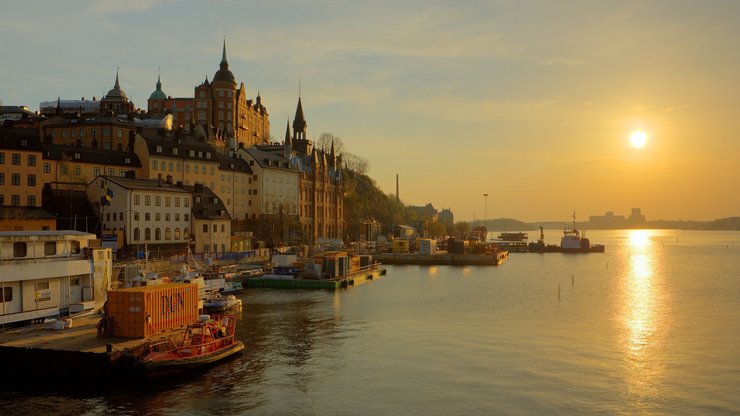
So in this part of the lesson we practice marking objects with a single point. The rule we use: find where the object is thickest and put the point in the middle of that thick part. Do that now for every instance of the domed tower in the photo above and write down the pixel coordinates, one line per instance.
(116, 100)
(223, 93)
(156, 99)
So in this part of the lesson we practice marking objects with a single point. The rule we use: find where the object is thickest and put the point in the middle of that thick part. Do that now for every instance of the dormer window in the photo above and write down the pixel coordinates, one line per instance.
(192, 153)
(215, 200)
(208, 155)
(24, 142)
(174, 150)
(197, 200)
(159, 149)
(127, 160)
(77, 155)
(200, 155)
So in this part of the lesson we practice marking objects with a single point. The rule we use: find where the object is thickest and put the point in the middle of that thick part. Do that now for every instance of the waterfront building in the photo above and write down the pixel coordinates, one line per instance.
(606, 221)
(139, 211)
(20, 160)
(211, 222)
(446, 217)
(218, 103)
(15, 113)
(201, 159)
(50, 273)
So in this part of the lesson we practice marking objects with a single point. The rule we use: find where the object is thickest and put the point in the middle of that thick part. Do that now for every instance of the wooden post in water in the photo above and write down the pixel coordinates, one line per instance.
(572, 280)
(558, 291)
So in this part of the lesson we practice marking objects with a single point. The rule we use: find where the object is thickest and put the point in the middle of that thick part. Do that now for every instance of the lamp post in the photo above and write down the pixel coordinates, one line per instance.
(485, 212)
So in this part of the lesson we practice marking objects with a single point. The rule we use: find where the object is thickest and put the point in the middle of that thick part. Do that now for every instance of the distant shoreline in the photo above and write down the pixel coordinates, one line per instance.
(509, 224)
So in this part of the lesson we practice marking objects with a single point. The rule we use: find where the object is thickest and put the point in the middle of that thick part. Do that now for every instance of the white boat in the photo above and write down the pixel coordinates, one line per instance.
(573, 242)
(218, 303)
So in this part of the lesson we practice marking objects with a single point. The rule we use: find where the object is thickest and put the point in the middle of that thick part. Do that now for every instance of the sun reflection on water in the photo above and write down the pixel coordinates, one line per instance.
(643, 316)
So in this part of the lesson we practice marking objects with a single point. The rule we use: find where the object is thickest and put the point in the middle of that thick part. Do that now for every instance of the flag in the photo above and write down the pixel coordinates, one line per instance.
(105, 200)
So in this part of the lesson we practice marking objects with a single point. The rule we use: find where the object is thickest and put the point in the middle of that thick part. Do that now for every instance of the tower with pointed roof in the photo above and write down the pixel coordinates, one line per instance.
(221, 105)
(116, 100)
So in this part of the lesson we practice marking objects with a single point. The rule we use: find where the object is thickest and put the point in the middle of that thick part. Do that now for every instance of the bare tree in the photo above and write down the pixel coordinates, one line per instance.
(325, 141)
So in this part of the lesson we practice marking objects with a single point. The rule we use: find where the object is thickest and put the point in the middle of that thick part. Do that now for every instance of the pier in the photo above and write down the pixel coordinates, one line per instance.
(354, 278)
(444, 259)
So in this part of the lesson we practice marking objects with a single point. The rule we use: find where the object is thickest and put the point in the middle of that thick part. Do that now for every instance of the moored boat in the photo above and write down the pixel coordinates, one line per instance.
(513, 236)
(210, 339)
(573, 242)
(220, 303)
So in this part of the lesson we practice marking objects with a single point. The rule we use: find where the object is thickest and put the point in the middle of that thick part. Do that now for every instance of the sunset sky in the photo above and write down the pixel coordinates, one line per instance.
(532, 102)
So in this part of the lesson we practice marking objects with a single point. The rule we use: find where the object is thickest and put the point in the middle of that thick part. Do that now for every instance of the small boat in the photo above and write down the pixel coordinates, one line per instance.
(220, 303)
(231, 288)
(210, 339)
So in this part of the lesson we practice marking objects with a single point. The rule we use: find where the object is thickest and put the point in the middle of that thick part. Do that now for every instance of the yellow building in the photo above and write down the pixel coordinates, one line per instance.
(20, 159)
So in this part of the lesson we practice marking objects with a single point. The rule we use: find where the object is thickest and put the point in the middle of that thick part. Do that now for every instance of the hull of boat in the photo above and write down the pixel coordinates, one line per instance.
(163, 367)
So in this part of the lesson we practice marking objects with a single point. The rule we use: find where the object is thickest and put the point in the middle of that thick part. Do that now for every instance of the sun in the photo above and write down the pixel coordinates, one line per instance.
(638, 139)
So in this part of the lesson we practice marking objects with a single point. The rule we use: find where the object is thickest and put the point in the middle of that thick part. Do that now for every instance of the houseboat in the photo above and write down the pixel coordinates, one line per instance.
(45, 274)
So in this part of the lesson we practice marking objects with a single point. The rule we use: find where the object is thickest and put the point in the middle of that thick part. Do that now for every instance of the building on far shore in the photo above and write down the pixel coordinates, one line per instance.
(609, 220)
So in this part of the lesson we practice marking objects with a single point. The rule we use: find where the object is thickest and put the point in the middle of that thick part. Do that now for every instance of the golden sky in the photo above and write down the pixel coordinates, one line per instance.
(530, 102)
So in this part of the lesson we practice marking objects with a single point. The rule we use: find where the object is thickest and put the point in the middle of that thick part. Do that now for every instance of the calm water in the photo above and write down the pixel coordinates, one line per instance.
(652, 326)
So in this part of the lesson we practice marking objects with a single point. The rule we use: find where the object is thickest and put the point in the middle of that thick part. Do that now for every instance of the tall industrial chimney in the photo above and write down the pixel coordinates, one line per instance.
(398, 198)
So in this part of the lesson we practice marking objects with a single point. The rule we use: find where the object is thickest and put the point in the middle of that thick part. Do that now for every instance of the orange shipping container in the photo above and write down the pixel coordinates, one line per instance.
(141, 312)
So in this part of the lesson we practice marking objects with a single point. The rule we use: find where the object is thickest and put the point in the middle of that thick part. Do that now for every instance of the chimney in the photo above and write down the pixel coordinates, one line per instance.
(398, 198)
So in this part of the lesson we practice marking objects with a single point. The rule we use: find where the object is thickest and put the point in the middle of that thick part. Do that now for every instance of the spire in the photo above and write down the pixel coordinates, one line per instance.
(159, 83)
(287, 132)
(299, 123)
(117, 86)
(332, 156)
(59, 106)
(223, 56)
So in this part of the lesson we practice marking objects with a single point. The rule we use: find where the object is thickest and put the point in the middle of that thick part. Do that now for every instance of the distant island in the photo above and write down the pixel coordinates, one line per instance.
(509, 224)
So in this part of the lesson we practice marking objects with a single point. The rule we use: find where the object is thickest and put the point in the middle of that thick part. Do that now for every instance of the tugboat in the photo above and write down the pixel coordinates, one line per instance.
(573, 242)
(210, 339)
(541, 247)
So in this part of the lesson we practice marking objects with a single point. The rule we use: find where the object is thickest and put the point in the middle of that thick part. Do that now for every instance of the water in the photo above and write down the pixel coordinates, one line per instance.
(652, 326)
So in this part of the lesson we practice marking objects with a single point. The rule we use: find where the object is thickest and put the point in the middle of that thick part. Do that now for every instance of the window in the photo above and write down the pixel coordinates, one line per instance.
(223, 228)
(31, 160)
(157, 200)
(31, 201)
(187, 168)
(215, 228)
(15, 179)
(136, 234)
(15, 200)
(47, 167)
(122, 173)
(119, 133)
(19, 249)
(154, 165)
(74, 246)
(162, 165)
(157, 216)
(106, 145)
(195, 168)
(137, 199)
(187, 202)
(111, 172)
(186, 217)
(147, 234)
(82, 132)
(159, 149)
(106, 131)
(177, 233)
(147, 216)
(50, 248)
(158, 234)
(177, 201)
(167, 234)
(7, 293)
(2, 158)
(147, 200)
(136, 215)
(205, 228)
(77, 170)
(167, 201)
(16, 158)
(166, 216)
(96, 171)
(2, 178)
(172, 166)
(174, 150)
(177, 216)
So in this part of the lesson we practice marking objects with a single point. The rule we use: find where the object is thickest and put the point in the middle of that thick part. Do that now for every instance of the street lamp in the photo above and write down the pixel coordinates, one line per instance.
(485, 212)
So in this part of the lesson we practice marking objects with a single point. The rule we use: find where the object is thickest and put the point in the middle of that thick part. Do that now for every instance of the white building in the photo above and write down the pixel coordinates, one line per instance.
(51, 273)
(142, 210)
(277, 183)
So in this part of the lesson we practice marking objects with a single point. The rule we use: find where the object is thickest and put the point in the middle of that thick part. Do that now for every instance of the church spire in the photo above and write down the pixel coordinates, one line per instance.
(299, 122)
(287, 131)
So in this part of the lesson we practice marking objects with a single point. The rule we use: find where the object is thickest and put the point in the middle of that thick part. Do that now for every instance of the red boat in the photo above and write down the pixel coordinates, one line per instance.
(210, 339)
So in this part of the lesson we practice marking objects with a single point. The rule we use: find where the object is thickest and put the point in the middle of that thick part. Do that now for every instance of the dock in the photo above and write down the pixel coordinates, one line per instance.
(444, 259)
(73, 352)
(363, 275)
